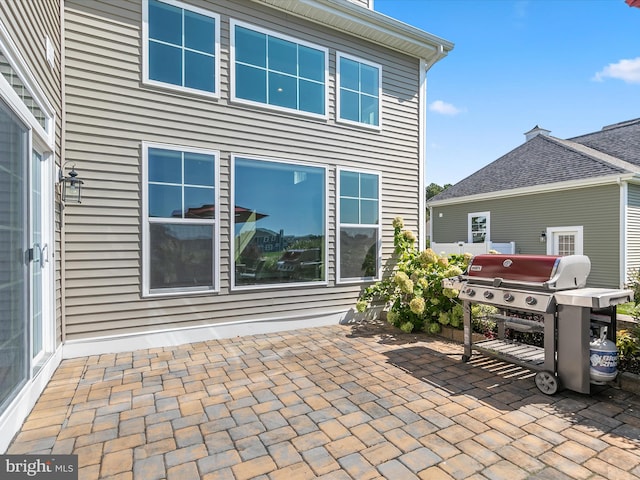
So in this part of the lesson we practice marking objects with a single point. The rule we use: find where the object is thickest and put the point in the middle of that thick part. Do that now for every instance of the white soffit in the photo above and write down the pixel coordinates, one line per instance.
(368, 24)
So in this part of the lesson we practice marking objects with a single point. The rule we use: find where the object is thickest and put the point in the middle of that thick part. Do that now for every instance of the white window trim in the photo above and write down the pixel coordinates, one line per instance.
(232, 248)
(339, 119)
(470, 216)
(579, 231)
(145, 50)
(146, 290)
(339, 225)
(232, 87)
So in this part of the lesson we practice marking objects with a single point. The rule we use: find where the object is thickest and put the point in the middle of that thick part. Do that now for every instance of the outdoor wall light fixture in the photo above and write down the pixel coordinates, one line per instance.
(71, 185)
(543, 237)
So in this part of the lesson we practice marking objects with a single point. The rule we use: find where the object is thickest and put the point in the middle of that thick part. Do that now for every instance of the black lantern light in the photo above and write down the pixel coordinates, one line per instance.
(543, 237)
(71, 186)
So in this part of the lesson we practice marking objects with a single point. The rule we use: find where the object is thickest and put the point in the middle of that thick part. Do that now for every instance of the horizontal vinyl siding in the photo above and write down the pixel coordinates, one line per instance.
(521, 219)
(633, 228)
(109, 114)
(28, 23)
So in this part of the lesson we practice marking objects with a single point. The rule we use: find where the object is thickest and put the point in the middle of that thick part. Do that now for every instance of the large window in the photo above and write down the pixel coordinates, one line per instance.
(279, 222)
(478, 227)
(278, 71)
(359, 98)
(181, 219)
(359, 220)
(181, 46)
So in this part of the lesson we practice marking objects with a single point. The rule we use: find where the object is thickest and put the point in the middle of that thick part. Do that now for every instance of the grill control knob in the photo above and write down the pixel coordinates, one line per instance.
(488, 294)
(508, 297)
(531, 300)
(471, 292)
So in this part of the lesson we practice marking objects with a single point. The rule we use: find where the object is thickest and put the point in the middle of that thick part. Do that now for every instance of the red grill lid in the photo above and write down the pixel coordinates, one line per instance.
(518, 268)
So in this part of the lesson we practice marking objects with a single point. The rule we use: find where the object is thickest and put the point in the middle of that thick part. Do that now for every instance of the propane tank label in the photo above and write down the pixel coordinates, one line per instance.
(604, 362)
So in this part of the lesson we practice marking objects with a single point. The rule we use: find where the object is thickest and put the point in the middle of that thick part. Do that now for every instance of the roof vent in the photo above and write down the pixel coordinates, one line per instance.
(535, 131)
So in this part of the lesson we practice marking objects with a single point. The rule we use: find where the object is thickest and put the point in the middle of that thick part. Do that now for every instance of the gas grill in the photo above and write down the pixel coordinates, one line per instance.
(544, 294)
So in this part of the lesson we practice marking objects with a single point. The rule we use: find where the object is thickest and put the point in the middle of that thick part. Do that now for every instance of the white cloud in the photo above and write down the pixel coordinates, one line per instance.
(625, 70)
(444, 108)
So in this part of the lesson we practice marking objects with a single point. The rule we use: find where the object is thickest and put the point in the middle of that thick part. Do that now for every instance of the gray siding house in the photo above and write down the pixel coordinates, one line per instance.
(556, 197)
(242, 163)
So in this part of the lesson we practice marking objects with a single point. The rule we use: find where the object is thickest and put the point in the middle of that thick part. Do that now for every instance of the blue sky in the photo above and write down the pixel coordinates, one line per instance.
(569, 66)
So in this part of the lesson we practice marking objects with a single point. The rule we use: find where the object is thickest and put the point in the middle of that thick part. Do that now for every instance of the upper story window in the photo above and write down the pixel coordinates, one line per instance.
(278, 71)
(360, 91)
(478, 227)
(359, 225)
(181, 46)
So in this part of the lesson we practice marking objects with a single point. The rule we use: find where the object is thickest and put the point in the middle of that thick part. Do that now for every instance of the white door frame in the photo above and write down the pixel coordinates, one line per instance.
(553, 234)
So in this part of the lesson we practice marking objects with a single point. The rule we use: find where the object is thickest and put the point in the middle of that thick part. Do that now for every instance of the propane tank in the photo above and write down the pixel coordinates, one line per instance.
(603, 355)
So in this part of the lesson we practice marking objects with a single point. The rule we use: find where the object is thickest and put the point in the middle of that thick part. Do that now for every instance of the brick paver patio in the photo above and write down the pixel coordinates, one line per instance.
(341, 402)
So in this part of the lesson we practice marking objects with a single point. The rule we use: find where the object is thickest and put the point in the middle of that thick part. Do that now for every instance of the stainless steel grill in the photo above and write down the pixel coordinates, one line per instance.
(545, 294)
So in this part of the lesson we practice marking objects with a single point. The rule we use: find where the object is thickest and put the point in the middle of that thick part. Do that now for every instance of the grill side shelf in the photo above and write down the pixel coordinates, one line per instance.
(527, 356)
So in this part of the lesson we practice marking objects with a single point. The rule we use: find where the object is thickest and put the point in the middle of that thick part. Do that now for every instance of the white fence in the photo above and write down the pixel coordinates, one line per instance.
(473, 248)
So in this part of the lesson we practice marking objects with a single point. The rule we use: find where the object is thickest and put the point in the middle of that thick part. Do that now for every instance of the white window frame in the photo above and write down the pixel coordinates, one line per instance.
(552, 232)
(232, 260)
(232, 87)
(146, 222)
(339, 119)
(470, 217)
(339, 225)
(145, 50)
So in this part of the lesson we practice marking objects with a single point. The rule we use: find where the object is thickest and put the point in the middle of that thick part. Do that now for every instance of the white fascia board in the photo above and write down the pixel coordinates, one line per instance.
(367, 24)
(550, 187)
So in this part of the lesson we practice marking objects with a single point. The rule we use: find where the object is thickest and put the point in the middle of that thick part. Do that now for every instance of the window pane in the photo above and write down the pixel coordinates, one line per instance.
(282, 241)
(369, 212)
(165, 63)
(282, 90)
(349, 105)
(369, 114)
(165, 22)
(311, 97)
(358, 252)
(349, 74)
(251, 83)
(369, 80)
(199, 32)
(180, 256)
(283, 56)
(199, 71)
(311, 63)
(349, 210)
(251, 47)
(165, 201)
(165, 166)
(349, 184)
(199, 169)
(368, 185)
(198, 202)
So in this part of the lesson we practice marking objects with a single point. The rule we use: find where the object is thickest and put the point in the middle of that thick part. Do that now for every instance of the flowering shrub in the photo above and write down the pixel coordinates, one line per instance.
(414, 296)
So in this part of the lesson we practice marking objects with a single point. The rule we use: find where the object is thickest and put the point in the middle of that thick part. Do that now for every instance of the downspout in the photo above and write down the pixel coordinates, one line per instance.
(422, 143)
(624, 193)
(63, 116)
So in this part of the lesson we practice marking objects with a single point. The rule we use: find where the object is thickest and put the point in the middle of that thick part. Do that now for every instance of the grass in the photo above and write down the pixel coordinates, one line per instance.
(626, 308)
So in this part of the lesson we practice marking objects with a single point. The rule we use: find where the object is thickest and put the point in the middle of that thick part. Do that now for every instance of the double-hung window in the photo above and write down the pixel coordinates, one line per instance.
(279, 223)
(181, 193)
(478, 227)
(278, 71)
(359, 220)
(181, 46)
(359, 91)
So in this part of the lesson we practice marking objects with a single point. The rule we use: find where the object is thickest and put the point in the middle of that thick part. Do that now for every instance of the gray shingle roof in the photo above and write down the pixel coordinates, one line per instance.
(545, 160)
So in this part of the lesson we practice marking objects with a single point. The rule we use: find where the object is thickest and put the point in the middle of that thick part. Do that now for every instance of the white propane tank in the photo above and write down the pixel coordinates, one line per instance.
(603, 355)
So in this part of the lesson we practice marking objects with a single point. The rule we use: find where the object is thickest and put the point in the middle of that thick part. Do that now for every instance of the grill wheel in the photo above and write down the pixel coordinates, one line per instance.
(546, 382)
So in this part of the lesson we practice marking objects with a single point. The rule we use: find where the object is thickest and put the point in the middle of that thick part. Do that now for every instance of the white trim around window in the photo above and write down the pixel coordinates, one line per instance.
(271, 71)
(181, 222)
(487, 226)
(574, 234)
(358, 92)
(184, 50)
(363, 213)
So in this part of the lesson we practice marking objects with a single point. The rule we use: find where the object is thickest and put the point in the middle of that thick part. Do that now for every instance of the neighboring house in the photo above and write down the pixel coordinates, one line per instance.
(553, 196)
(242, 164)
